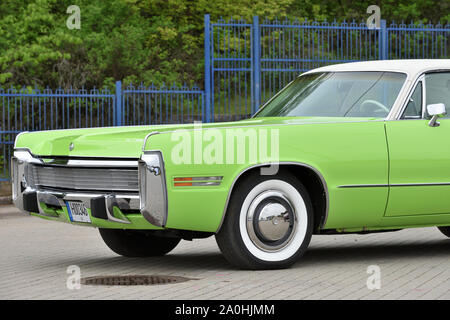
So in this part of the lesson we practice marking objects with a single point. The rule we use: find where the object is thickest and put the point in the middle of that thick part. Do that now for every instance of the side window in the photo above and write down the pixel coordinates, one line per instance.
(414, 107)
(437, 86)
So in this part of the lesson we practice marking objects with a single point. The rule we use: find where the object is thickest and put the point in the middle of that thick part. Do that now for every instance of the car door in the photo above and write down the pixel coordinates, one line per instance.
(419, 154)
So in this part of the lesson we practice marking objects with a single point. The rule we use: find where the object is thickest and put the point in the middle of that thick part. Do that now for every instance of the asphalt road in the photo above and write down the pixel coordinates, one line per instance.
(35, 255)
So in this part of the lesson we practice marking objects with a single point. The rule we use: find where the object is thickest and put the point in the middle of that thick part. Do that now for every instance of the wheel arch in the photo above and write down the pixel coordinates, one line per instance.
(309, 176)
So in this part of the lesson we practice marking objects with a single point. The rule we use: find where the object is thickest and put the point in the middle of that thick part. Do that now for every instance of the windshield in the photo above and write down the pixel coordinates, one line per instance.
(337, 94)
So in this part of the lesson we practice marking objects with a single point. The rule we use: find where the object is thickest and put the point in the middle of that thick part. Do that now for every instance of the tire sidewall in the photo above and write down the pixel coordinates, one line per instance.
(300, 200)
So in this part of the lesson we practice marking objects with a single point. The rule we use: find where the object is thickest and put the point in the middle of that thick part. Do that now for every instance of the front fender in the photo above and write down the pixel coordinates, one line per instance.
(341, 153)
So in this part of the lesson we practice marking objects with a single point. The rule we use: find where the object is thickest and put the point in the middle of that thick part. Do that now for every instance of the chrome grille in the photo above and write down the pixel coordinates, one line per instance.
(77, 178)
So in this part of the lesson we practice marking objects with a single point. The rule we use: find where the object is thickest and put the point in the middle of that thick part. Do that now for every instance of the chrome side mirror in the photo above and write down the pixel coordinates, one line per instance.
(436, 111)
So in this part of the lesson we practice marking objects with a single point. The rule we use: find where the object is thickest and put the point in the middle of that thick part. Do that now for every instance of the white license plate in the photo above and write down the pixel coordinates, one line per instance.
(77, 212)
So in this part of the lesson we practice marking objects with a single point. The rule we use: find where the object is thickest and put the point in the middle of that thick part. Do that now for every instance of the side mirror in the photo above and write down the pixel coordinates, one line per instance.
(436, 111)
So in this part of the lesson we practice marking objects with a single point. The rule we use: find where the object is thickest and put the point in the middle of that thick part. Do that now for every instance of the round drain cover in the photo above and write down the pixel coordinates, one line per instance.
(132, 280)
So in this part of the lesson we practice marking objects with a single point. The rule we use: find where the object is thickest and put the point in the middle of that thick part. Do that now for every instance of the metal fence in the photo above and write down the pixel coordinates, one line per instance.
(417, 41)
(246, 63)
(155, 105)
(34, 109)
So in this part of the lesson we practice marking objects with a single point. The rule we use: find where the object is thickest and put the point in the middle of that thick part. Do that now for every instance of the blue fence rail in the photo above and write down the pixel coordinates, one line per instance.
(246, 63)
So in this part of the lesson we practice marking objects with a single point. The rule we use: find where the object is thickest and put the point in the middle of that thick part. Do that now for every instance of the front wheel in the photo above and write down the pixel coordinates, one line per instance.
(445, 231)
(137, 243)
(268, 224)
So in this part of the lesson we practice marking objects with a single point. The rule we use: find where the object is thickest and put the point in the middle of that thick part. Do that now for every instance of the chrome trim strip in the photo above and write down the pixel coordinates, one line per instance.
(190, 183)
(437, 184)
(300, 164)
(400, 98)
(394, 185)
(146, 138)
(408, 97)
(92, 163)
(197, 181)
(216, 178)
(26, 155)
(205, 184)
(18, 135)
(95, 158)
(363, 186)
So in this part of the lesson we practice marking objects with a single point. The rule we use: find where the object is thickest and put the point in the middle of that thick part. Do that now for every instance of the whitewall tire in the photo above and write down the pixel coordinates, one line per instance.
(268, 223)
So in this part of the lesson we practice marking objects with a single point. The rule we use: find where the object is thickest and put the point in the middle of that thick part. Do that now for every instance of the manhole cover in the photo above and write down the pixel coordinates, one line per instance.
(132, 280)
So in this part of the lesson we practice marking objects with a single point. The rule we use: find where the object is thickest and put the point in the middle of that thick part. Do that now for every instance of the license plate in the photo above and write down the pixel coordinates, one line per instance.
(77, 212)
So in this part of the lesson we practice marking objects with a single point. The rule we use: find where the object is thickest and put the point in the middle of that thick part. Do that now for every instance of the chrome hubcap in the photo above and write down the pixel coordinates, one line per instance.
(271, 221)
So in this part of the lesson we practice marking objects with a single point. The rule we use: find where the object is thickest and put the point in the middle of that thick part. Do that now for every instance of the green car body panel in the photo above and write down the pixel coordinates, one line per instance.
(356, 158)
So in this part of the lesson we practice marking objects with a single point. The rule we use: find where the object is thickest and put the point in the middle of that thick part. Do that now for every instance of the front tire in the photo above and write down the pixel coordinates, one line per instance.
(137, 243)
(268, 223)
(445, 231)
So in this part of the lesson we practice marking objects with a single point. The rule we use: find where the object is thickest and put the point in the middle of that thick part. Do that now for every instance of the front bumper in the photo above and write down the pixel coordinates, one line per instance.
(150, 200)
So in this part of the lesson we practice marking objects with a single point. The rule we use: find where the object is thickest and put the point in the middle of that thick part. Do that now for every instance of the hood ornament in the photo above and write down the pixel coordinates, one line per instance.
(71, 146)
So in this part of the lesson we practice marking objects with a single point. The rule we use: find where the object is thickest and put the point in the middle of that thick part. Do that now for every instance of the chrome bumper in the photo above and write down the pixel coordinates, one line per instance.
(151, 200)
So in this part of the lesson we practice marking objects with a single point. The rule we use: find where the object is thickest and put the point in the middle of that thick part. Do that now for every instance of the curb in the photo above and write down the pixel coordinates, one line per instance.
(6, 200)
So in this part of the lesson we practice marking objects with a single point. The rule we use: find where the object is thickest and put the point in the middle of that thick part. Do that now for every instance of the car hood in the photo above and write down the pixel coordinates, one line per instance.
(127, 141)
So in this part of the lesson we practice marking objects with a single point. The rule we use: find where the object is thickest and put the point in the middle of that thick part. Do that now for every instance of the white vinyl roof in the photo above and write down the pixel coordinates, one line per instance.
(412, 66)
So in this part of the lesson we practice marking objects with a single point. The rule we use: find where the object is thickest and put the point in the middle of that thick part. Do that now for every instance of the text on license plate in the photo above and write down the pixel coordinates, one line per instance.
(77, 211)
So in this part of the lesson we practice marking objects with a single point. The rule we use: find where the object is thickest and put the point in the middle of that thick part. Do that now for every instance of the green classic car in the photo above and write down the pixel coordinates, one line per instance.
(351, 148)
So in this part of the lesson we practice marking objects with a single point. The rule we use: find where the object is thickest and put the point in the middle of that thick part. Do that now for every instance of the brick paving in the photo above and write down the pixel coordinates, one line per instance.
(35, 254)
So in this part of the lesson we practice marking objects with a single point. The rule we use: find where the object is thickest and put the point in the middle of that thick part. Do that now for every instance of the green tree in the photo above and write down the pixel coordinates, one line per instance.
(149, 40)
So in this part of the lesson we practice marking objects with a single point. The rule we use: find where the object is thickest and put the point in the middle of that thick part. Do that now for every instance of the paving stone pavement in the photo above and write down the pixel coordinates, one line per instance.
(35, 255)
